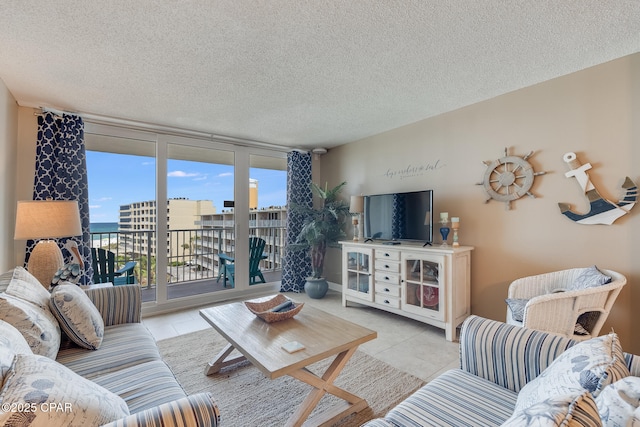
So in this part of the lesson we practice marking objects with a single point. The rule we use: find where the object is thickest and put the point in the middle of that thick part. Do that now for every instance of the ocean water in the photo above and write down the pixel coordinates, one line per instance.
(103, 227)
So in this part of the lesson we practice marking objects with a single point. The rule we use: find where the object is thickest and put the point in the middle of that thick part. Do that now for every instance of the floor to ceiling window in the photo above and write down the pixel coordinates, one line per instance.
(175, 201)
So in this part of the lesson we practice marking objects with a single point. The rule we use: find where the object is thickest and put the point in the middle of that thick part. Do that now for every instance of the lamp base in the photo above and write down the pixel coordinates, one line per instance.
(45, 260)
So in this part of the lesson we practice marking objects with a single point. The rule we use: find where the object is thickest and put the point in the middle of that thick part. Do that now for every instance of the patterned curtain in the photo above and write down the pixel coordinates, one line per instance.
(296, 265)
(61, 174)
(398, 217)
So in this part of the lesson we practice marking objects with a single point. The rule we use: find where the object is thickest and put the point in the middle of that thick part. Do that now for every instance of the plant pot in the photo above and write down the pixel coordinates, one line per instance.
(316, 288)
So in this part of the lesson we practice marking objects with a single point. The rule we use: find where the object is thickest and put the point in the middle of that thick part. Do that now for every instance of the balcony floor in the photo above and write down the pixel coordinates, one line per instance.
(186, 289)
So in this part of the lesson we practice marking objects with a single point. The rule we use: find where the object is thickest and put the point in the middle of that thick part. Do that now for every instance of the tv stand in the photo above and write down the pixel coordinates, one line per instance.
(427, 244)
(429, 284)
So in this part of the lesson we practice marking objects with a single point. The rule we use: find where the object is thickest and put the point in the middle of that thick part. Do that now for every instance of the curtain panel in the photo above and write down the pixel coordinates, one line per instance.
(61, 174)
(296, 265)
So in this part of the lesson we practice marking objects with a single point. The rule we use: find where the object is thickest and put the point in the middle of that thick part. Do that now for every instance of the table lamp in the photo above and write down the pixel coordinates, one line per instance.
(356, 206)
(46, 220)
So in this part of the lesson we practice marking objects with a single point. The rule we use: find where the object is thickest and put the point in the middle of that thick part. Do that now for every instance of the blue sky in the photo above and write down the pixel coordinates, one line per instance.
(118, 179)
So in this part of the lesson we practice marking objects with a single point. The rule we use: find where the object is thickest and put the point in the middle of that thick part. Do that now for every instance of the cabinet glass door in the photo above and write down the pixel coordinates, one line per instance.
(423, 293)
(358, 274)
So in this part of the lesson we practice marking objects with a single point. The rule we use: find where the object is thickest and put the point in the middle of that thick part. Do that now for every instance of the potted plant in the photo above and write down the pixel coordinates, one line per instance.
(322, 228)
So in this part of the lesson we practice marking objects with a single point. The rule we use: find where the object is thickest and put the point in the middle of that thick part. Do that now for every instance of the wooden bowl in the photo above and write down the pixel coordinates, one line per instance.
(261, 309)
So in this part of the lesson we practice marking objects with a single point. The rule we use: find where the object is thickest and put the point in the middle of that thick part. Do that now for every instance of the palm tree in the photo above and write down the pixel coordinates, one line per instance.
(323, 226)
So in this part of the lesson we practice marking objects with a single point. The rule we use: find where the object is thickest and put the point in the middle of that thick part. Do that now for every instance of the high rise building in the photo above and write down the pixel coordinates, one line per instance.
(137, 224)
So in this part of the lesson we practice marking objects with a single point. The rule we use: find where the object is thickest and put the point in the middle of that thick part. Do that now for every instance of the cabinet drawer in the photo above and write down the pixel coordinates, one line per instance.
(387, 289)
(390, 255)
(386, 277)
(386, 265)
(387, 300)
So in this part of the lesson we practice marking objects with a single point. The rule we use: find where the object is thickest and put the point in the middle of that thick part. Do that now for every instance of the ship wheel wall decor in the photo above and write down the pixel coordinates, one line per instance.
(508, 178)
(602, 211)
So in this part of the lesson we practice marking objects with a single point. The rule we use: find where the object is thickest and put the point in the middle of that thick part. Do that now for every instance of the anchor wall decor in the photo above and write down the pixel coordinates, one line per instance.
(602, 210)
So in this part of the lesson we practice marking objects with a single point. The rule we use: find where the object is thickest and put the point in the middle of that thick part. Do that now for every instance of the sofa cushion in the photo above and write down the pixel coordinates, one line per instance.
(26, 287)
(123, 346)
(589, 278)
(56, 396)
(11, 343)
(143, 386)
(77, 315)
(36, 324)
(589, 365)
(554, 411)
(455, 398)
(619, 403)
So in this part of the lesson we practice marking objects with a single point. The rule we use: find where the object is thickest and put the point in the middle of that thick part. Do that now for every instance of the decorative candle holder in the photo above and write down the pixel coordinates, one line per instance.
(444, 231)
(455, 225)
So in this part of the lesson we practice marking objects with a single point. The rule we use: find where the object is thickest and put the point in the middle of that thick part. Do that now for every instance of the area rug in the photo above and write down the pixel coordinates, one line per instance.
(247, 398)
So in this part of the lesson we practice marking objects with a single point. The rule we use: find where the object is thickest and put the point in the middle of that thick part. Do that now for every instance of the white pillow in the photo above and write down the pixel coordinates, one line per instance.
(11, 343)
(17, 272)
(566, 410)
(55, 396)
(78, 317)
(619, 403)
(587, 366)
(37, 325)
(24, 286)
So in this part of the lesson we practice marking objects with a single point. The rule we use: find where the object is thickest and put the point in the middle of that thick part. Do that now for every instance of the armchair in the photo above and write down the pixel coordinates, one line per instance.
(550, 304)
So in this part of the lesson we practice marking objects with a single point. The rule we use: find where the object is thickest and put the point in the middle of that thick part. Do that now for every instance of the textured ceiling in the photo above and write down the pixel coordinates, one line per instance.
(299, 73)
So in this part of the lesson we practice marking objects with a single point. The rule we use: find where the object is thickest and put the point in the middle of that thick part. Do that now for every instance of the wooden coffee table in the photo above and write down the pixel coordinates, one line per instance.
(323, 336)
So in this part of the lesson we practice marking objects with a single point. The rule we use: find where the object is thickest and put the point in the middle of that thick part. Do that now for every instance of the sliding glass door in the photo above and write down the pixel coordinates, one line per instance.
(177, 205)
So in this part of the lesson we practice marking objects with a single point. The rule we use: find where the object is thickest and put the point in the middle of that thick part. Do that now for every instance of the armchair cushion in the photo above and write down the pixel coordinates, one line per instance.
(589, 278)
(517, 306)
(587, 366)
(78, 317)
(55, 396)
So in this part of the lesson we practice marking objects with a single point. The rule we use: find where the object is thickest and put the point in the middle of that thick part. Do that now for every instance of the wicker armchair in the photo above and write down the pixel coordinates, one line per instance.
(558, 312)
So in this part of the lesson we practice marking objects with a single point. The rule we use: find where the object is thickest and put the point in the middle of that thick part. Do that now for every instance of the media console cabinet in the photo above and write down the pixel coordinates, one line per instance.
(430, 284)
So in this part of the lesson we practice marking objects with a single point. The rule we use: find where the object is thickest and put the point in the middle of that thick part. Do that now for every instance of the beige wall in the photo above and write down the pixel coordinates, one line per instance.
(595, 113)
(8, 139)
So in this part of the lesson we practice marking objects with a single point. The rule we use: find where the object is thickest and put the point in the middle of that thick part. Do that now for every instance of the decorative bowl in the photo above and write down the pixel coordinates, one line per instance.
(262, 308)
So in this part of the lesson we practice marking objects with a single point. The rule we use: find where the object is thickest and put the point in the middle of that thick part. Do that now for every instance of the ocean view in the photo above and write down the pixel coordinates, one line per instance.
(103, 227)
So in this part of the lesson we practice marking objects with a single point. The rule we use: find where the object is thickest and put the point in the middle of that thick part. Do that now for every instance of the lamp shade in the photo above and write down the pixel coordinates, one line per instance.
(47, 219)
(356, 204)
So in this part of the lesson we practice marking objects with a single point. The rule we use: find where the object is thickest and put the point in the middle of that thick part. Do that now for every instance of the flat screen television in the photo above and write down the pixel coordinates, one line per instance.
(399, 216)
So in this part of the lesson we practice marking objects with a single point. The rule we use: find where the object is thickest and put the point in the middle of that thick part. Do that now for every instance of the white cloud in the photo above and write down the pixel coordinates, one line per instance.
(225, 174)
(103, 199)
(95, 206)
(182, 174)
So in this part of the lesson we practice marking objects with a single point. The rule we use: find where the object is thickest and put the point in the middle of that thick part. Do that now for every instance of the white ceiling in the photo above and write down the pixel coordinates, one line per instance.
(298, 73)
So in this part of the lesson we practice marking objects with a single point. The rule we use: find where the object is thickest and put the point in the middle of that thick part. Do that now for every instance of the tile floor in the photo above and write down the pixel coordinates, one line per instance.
(411, 346)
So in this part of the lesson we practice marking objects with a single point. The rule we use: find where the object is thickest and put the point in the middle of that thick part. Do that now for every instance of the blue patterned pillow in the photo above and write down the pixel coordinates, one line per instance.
(11, 343)
(619, 403)
(517, 308)
(580, 410)
(54, 395)
(587, 366)
(589, 278)
(78, 317)
(36, 324)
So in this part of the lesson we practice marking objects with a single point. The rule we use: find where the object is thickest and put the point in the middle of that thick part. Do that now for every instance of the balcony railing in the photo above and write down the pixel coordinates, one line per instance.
(192, 254)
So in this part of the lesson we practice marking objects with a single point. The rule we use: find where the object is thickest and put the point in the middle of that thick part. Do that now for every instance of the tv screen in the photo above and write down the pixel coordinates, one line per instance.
(399, 216)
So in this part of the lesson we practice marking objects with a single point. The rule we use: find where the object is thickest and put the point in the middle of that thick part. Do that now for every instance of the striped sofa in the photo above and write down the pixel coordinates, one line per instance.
(140, 388)
(496, 361)
(128, 363)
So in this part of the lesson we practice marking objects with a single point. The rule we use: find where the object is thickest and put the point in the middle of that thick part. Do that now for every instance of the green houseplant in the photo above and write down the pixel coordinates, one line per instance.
(323, 227)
